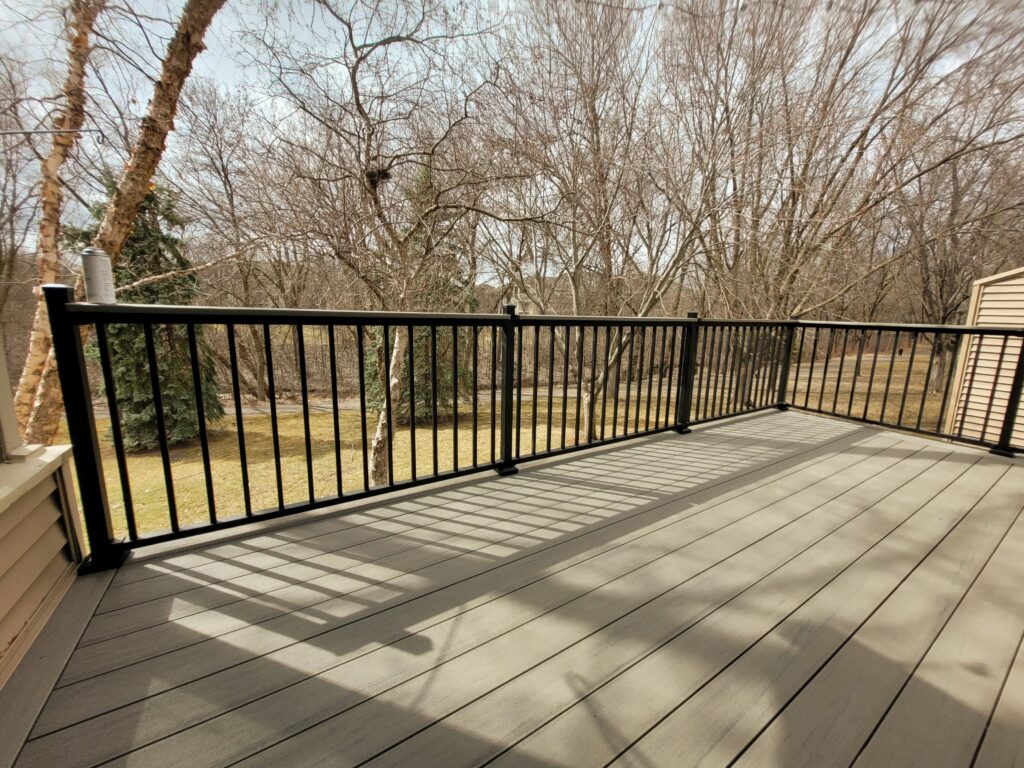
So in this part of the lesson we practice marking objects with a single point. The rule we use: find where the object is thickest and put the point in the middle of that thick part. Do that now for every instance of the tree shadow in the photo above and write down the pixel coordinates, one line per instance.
(260, 633)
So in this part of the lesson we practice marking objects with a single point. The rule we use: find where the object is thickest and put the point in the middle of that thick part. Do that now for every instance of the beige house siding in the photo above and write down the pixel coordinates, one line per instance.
(986, 364)
(39, 547)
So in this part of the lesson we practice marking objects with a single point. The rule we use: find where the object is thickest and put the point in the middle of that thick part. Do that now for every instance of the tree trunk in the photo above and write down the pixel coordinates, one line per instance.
(379, 444)
(45, 419)
(39, 392)
(133, 186)
(943, 359)
(70, 118)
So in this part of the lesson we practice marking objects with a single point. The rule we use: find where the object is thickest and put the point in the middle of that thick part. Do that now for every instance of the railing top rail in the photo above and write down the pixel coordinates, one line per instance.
(744, 321)
(601, 320)
(84, 313)
(917, 327)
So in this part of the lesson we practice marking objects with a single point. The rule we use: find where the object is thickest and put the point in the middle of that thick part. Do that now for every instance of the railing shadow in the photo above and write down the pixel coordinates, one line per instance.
(208, 642)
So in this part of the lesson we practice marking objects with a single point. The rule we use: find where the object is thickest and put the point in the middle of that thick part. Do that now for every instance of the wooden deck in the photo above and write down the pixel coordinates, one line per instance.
(776, 590)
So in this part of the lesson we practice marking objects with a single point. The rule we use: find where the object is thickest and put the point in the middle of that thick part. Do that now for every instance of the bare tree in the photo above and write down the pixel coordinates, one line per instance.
(801, 120)
(68, 121)
(38, 399)
(379, 178)
(19, 180)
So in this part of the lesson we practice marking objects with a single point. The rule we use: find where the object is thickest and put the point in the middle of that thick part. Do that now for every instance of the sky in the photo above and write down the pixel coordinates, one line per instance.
(30, 30)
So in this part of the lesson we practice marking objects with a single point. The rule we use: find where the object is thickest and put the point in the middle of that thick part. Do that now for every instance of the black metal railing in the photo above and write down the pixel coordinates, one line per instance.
(581, 382)
(738, 366)
(906, 377)
(336, 406)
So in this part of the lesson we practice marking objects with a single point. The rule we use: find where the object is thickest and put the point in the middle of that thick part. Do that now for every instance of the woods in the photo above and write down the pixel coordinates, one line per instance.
(836, 161)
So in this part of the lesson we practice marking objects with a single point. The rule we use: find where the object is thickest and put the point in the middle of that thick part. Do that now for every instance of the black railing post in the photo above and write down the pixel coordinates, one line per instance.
(74, 385)
(1002, 448)
(507, 466)
(787, 355)
(687, 370)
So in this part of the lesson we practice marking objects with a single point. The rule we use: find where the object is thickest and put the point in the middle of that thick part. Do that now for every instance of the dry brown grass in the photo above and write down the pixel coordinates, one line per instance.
(916, 402)
(146, 468)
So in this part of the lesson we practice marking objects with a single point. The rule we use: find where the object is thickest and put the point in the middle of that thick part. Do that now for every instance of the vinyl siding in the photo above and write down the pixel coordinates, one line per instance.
(987, 363)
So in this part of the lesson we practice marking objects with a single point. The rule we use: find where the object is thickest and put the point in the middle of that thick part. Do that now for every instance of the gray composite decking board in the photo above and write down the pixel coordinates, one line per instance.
(382, 669)
(552, 688)
(717, 723)
(306, 554)
(196, 560)
(1002, 745)
(151, 587)
(304, 573)
(212, 596)
(326, 746)
(24, 694)
(169, 635)
(92, 658)
(668, 597)
(209, 695)
(825, 725)
(116, 689)
(200, 556)
(939, 718)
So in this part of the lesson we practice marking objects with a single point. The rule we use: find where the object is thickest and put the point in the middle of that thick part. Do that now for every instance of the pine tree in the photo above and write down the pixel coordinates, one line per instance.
(152, 249)
(424, 380)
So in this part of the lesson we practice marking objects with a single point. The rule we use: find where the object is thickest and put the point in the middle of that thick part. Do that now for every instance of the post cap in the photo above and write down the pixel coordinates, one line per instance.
(57, 292)
(509, 309)
(692, 314)
(90, 250)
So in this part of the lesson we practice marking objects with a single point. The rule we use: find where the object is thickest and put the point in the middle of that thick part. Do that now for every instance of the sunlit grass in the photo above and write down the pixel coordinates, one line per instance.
(531, 435)
(146, 473)
(895, 398)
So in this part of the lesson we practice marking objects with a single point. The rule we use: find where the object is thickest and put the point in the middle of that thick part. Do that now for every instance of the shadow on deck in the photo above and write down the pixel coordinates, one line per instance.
(779, 589)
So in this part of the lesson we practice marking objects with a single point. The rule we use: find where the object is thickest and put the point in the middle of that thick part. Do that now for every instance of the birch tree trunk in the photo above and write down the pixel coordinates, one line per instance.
(379, 444)
(39, 400)
(133, 186)
(70, 119)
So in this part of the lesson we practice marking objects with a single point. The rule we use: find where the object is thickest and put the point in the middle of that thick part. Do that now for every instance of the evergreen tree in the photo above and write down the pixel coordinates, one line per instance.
(152, 249)
(423, 379)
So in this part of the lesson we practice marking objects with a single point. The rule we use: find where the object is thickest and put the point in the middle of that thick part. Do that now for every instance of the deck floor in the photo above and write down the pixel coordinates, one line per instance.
(776, 590)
